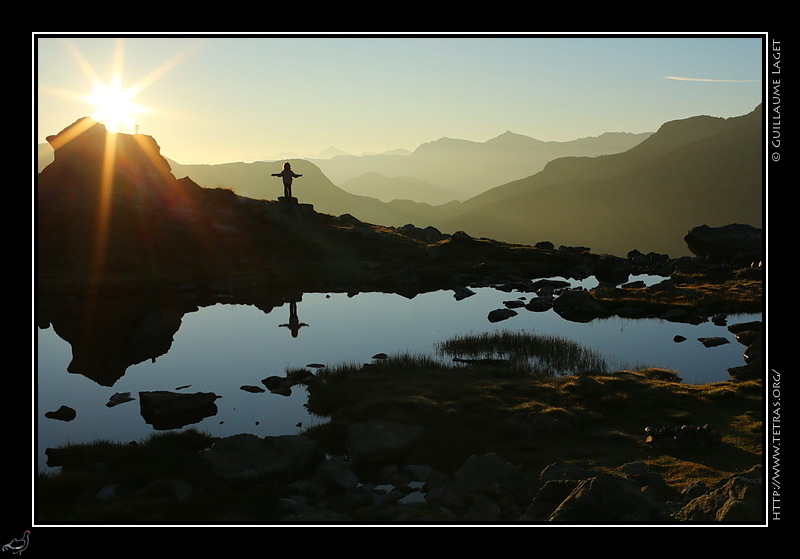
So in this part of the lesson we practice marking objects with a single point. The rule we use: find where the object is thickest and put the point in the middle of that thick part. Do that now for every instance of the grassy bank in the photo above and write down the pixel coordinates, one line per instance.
(537, 419)
(531, 416)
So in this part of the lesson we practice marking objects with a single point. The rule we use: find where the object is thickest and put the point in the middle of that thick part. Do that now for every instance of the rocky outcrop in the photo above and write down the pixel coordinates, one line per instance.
(484, 489)
(739, 498)
(191, 230)
(751, 335)
(734, 242)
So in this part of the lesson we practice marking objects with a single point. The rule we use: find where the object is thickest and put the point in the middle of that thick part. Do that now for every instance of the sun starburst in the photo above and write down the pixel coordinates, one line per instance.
(115, 106)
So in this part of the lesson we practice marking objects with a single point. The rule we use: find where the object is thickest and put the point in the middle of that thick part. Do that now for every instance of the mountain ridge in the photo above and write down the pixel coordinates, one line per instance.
(696, 170)
(469, 167)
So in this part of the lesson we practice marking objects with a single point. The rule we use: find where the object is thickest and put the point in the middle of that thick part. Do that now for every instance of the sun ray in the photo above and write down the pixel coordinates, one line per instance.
(115, 106)
(104, 211)
(116, 109)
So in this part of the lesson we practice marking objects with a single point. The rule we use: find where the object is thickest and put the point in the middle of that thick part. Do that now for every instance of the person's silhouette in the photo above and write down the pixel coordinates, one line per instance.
(287, 175)
(294, 324)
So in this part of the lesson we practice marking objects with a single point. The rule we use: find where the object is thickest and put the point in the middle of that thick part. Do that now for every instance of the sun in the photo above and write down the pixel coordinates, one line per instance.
(115, 106)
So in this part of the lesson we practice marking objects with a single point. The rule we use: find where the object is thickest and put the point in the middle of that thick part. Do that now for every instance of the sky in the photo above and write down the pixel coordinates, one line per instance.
(221, 98)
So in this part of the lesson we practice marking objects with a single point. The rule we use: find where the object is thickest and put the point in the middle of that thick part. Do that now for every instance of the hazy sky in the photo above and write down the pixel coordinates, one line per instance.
(217, 98)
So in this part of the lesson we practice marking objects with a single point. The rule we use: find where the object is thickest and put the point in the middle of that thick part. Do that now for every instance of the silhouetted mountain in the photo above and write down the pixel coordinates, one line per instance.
(701, 170)
(467, 168)
(125, 224)
(444, 170)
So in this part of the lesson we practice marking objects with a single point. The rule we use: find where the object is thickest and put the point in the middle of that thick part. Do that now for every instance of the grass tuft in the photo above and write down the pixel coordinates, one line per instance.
(527, 353)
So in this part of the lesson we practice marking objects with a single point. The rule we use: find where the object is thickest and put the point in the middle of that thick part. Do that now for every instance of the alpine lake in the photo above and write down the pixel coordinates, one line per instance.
(227, 349)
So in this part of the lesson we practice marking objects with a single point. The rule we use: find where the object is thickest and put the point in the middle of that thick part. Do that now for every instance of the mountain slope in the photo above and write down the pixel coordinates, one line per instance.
(254, 180)
(701, 170)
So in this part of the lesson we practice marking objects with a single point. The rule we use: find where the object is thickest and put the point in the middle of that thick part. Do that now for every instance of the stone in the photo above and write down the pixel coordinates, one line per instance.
(740, 498)
(460, 293)
(713, 341)
(736, 242)
(578, 305)
(248, 457)
(63, 413)
(278, 385)
(539, 304)
(253, 389)
(610, 498)
(335, 474)
(498, 315)
(491, 475)
(171, 410)
(379, 441)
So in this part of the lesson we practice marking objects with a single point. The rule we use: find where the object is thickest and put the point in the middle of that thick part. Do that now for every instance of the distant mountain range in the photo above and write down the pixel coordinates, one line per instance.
(613, 193)
(463, 168)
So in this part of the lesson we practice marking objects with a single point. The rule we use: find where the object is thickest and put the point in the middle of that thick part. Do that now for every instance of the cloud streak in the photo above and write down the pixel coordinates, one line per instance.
(685, 79)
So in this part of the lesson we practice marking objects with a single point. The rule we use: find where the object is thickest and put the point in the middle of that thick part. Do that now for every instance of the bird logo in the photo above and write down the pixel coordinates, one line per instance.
(17, 545)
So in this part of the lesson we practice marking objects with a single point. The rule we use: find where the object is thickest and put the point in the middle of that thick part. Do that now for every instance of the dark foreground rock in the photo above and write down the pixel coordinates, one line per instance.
(172, 410)
(734, 242)
(485, 489)
(373, 485)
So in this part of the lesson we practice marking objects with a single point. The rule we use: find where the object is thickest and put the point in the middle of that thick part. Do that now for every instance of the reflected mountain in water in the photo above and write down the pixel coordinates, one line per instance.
(124, 250)
(110, 334)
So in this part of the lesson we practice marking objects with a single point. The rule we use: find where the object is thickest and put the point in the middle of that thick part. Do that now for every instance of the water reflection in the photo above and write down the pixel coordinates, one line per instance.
(294, 323)
(220, 346)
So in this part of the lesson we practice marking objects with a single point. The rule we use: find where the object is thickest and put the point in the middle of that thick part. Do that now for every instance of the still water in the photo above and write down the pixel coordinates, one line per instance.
(223, 347)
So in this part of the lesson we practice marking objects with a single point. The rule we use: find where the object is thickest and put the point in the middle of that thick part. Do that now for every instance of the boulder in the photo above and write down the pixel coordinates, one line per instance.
(119, 398)
(539, 304)
(682, 315)
(578, 305)
(548, 286)
(501, 314)
(171, 410)
(614, 499)
(491, 475)
(734, 242)
(713, 341)
(746, 372)
(250, 388)
(379, 441)
(461, 292)
(64, 413)
(247, 457)
(612, 269)
(335, 474)
(278, 385)
(548, 498)
(740, 498)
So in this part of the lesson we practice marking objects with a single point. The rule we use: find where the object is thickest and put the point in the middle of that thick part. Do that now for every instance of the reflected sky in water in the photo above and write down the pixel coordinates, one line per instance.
(223, 347)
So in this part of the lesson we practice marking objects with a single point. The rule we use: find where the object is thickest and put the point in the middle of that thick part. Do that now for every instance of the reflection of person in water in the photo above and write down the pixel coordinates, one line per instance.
(294, 322)
(287, 175)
